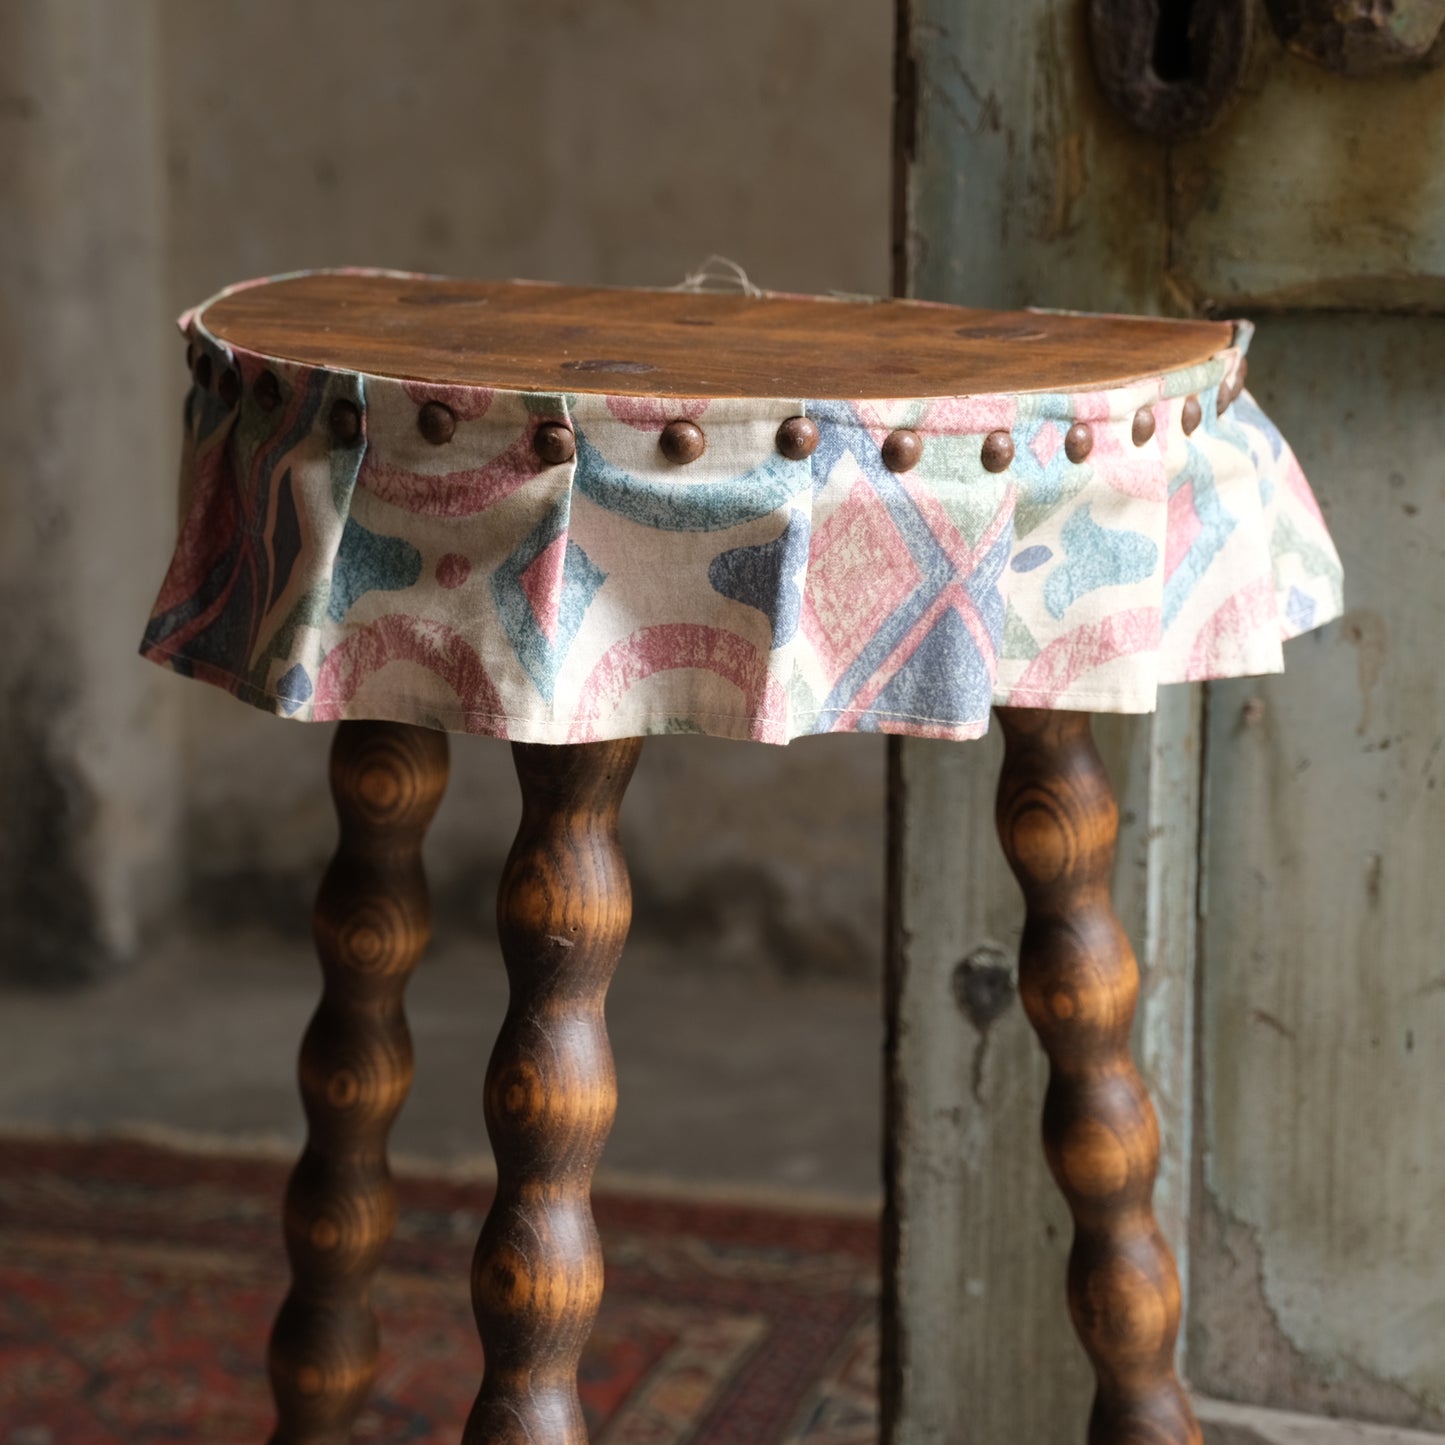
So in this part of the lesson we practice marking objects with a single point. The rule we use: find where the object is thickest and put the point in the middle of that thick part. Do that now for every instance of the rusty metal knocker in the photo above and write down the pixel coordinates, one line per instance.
(1362, 37)
(1170, 67)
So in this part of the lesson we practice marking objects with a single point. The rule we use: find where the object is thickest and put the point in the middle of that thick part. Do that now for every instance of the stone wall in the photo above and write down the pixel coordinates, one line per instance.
(162, 149)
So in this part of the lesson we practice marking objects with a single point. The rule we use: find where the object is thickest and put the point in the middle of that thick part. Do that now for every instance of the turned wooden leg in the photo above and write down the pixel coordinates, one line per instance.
(371, 926)
(562, 914)
(1078, 981)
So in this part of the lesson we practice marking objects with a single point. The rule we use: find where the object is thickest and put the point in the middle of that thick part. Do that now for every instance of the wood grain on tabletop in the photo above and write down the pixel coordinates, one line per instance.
(540, 337)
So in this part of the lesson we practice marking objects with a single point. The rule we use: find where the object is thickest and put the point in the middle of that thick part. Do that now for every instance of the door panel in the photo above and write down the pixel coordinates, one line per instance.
(1302, 1148)
(1318, 1269)
(978, 1238)
(1317, 192)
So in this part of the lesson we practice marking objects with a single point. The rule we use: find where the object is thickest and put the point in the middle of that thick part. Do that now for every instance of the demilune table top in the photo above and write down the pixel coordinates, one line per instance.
(561, 514)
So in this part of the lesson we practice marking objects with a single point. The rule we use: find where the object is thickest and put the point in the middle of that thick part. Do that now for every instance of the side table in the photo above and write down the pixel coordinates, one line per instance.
(574, 517)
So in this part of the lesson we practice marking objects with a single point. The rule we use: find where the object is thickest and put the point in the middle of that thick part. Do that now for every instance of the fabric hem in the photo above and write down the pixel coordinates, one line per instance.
(750, 728)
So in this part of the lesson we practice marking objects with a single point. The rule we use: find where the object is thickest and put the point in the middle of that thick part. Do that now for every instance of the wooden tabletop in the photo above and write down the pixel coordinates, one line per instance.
(533, 336)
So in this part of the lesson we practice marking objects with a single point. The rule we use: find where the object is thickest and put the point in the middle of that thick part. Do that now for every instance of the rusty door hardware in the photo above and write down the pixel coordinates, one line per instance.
(1362, 37)
(1171, 67)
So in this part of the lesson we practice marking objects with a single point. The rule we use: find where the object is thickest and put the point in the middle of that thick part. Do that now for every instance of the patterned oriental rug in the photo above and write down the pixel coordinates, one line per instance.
(137, 1286)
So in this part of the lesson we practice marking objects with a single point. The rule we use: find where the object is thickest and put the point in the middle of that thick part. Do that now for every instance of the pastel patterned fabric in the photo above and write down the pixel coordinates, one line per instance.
(474, 588)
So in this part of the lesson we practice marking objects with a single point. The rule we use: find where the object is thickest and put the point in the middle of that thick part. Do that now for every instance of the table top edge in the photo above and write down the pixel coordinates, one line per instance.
(1207, 338)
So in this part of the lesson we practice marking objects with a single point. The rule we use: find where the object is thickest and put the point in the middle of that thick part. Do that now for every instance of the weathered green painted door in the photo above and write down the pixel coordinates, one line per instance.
(1280, 865)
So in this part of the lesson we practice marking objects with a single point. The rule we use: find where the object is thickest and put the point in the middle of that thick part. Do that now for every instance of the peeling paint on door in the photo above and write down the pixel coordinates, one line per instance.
(1301, 1104)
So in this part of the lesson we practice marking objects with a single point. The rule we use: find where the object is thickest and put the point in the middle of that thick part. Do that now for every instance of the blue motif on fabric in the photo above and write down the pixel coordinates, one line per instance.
(1300, 608)
(1031, 558)
(1215, 525)
(303, 412)
(293, 688)
(1043, 486)
(1262, 464)
(842, 432)
(285, 538)
(255, 508)
(367, 562)
(1095, 557)
(684, 506)
(1246, 411)
(227, 630)
(947, 679)
(227, 635)
(766, 576)
(983, 589)
(542, 655)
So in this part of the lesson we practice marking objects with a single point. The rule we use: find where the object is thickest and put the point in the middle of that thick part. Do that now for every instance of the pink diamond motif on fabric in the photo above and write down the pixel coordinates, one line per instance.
(541, 584)
(1045, 443)
(859, 573)
(1183, 526)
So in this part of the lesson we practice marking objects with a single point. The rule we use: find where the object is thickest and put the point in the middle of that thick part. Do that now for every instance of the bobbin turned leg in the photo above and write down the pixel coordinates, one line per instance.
(1079, 982)
(562, 915)
(371, 926)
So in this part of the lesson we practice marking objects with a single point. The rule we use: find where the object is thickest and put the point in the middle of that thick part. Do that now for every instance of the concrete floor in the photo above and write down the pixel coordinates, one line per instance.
(730, 1080)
